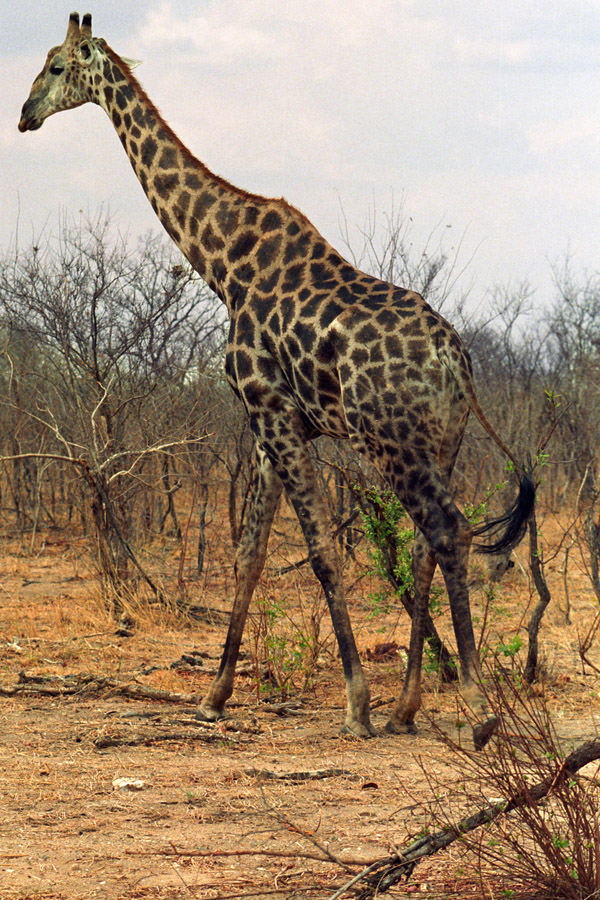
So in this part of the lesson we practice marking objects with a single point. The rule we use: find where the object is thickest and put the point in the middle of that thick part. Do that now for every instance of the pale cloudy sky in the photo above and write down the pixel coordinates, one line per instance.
(482, 117)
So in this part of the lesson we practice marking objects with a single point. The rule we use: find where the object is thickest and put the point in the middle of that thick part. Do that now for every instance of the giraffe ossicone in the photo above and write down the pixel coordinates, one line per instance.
(315, 347)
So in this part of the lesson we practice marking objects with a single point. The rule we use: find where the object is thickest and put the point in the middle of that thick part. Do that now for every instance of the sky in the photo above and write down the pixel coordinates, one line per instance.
(480, 119)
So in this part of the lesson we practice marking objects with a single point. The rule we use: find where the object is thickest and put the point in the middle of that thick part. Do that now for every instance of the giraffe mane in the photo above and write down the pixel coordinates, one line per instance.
(244, 195)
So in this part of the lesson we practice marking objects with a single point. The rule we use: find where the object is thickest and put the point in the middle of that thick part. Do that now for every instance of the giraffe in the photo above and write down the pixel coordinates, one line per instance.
(315, 347)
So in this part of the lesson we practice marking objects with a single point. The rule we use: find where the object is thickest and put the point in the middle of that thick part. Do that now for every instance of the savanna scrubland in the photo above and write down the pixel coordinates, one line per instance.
(125, 463)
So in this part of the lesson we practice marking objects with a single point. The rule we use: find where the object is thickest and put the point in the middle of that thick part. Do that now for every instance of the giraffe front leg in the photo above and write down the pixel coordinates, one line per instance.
(250, 559)
(358, 710)
(296, 471)
(323, 558)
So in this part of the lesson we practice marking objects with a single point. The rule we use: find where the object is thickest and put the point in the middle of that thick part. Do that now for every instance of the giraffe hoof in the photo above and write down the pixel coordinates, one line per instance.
(209, 714)
(482, 733)
(401, 727)
(358, 729)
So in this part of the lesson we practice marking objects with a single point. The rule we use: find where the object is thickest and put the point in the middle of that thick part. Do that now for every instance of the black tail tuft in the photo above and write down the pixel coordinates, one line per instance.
(510, 527)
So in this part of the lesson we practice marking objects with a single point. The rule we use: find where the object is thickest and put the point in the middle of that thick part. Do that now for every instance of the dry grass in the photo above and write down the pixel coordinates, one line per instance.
(66, 833)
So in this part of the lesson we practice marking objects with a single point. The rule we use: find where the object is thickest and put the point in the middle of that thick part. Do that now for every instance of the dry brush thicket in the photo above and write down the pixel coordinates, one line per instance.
(117, 421)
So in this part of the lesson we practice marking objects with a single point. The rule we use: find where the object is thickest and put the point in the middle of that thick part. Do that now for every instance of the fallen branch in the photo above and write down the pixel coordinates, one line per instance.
(61, 685)
(275, 854)
(206, 732)
(212, 737)
(385, 873)
(286, 708)
(309, 775)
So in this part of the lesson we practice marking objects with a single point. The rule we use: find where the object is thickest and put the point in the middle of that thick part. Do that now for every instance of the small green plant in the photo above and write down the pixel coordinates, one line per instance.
(381, 603)
(286, 642)
(390, 535)
(511, 647)
(431, 660)
(385, 524)
(475, 513)
(436, 600)
(192, 798)
(554, 399)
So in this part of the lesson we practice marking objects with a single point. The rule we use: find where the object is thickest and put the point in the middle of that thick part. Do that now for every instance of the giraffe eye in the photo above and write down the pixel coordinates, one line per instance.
(56, 70)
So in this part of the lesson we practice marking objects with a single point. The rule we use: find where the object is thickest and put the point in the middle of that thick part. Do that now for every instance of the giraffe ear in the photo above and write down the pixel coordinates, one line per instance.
(85, 53)
(132, 63)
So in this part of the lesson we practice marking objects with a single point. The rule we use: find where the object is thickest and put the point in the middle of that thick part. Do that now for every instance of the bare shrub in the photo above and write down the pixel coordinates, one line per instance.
(102, 349)
(545, 842)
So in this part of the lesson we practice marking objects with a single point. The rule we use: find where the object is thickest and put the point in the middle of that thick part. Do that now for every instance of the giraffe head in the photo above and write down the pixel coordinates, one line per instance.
(71, 75)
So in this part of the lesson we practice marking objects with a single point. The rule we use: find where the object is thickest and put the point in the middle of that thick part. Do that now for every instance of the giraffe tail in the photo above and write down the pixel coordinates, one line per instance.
(508, 529)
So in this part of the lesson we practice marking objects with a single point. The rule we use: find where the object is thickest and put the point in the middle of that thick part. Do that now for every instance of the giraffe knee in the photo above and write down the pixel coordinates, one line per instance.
(444, 543)
(324, 565)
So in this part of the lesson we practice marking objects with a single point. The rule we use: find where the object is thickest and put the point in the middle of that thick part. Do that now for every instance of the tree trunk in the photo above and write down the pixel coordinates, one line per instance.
(537, 572)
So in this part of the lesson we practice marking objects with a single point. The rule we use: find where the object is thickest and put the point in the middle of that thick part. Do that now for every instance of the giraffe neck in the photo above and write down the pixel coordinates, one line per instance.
(215, 225)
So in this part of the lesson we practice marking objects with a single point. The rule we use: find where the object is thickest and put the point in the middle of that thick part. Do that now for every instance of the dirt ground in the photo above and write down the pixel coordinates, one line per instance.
(69, 830)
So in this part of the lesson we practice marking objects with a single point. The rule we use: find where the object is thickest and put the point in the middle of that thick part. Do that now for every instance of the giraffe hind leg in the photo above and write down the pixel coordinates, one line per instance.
(445, 538)
(314, 521)
(449, 536)
(401, 718)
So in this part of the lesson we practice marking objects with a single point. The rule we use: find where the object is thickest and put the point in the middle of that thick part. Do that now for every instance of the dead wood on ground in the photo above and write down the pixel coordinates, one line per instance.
(379, 875)
(383, 874)
(296, 777)
(105, 741)
(62, 685)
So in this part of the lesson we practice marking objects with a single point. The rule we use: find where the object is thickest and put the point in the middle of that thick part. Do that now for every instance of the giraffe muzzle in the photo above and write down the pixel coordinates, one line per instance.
(29, 120)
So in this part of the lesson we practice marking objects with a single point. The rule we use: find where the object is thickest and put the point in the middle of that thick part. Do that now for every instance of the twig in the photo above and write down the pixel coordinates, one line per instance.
(306, 835)
(586, 643)
(566, 583)
(355, 880)
(283, 570)
(275, 854)
(377, 703)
